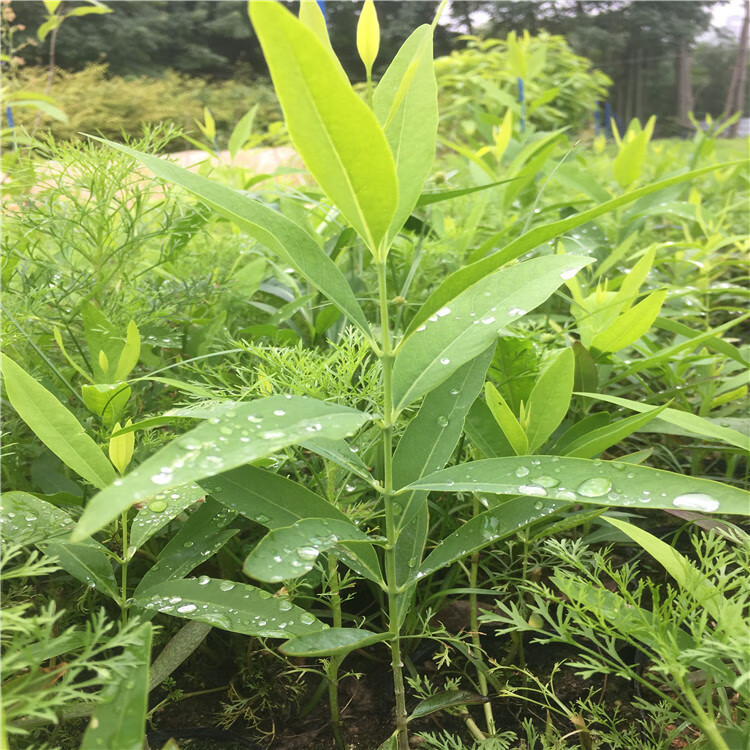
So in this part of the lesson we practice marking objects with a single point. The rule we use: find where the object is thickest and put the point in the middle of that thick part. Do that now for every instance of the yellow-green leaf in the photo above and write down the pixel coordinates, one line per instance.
(334, 131)
(630, 326)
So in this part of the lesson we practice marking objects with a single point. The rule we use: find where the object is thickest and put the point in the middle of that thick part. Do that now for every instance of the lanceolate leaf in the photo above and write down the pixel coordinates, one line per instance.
(448, 699)
(159, 511)
(200, 537)
(691, 422)
(582, 481)
(251, 431)
(121, 721)
(465, 277)
(331, 642)
(289, 241)
(683, 571)
(290, 552)
(275, 501)
(631, 325)
(405, 104)
(594, 442)
(334, 131)
(550, 398)
(55, 426)
(87, 561)
(340, 452)
(431, 437)
(486, 528)
(467, 325)
(236, 607)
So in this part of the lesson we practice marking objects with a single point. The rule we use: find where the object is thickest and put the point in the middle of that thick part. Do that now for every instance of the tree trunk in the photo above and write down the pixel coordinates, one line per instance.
(736, 96)
(684, 85)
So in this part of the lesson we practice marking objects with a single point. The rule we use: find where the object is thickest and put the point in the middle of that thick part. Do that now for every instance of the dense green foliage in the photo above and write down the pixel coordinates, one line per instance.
(317, 418)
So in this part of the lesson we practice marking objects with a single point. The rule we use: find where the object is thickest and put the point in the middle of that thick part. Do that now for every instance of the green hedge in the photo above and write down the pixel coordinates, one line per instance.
(95, 101)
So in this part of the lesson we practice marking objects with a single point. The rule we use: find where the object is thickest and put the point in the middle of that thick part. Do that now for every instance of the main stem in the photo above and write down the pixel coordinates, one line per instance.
(473, 576)
(124, 569)
(335, 661)
(386, 360)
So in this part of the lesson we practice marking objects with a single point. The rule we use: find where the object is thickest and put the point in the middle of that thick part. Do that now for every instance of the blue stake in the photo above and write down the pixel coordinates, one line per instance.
(11, 125)
(522, 101)
(322, 6)
(607, 121)
(597, 119)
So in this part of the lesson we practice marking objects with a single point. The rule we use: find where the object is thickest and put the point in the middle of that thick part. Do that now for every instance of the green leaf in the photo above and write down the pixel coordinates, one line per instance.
(121, 721)
(631, 325)
(427, 199)
(486, 528)
(241, 132)
(199, 538)
(717, 344)
(26, 519)
(130, 353)
(101, 336)
(550, 398)
(279, 234)
(582, 481)
(457, 333)
(391, 743)
(275, 501)
(159, 511)
(594, 442)
(334, 131)
(251, 431)
(55, 426)
(106, 401)
(446, 699)
(485, 432)
(331, 642)
(683, 419)
(237, 607)
(289, 552)
(690, 579)
(506, 420)
(667, 353)
(432, 435)
(341, 453)
(464, 278)
(87, 561)
(405, 104)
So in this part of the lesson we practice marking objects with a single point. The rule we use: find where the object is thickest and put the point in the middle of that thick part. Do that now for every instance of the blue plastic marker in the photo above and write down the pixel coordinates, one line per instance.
(322, 6)
(522, 100)
(607, 121)
(597, 119)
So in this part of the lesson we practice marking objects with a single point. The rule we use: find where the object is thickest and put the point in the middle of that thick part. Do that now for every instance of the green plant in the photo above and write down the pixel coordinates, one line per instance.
(691, 636)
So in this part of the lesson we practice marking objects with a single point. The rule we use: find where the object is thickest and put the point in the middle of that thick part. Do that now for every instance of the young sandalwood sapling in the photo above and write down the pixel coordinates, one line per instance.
(372, 163)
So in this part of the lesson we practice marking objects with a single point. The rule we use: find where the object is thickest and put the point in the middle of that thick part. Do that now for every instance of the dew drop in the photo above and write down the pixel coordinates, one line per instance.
(285, 605)
(442, 421)
(532, 489)
(185, 608)
(226, 585)
(443, 311)
(445, 361)
(516, 312)
(538, 505)
(546, 481)
(696, 501)
(161, 478)
(203, 580)
(307, 618)
(522, 471)
(157, 506)
(595, 487)
(568, 273)
(308, 553)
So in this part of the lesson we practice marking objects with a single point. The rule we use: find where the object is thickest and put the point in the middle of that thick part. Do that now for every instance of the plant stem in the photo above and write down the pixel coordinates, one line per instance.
(124, 568)
(332, 670)
(473, 575)
(705, 722)
(386, 359)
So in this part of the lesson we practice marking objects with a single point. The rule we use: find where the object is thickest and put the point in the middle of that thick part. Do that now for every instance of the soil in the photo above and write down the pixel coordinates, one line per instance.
(367, 708)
